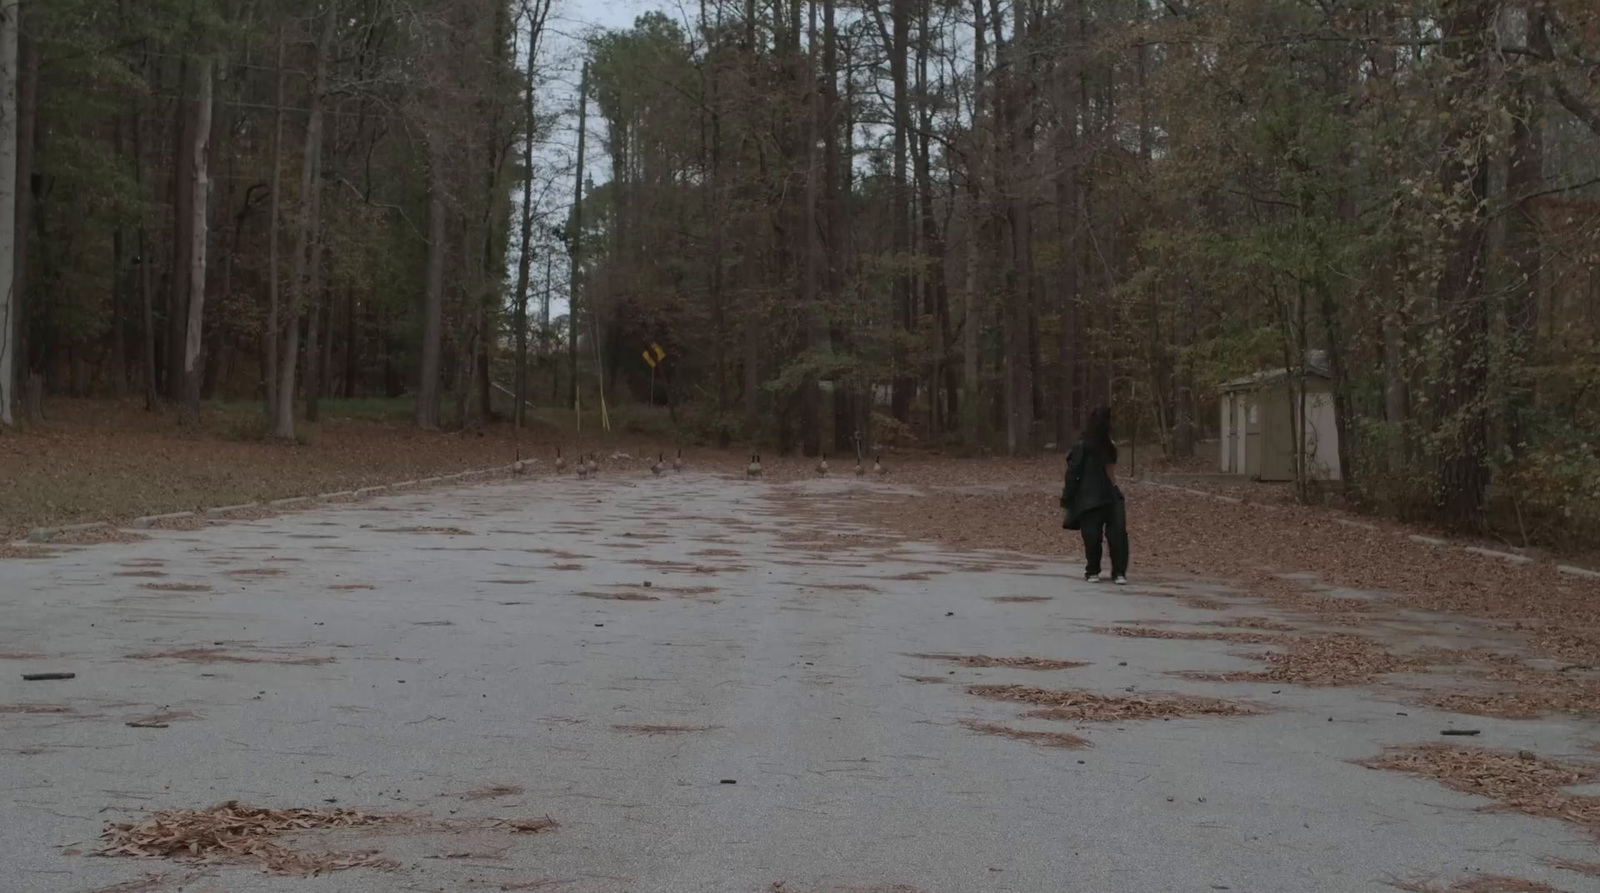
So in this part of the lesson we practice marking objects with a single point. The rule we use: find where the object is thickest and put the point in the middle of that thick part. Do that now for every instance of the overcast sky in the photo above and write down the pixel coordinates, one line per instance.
(570, 21)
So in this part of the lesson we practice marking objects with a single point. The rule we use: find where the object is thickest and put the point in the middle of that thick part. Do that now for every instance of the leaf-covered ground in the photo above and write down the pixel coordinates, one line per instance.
(100, 460)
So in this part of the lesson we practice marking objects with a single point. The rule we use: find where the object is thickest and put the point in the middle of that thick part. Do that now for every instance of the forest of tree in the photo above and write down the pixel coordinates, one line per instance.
(961, 224)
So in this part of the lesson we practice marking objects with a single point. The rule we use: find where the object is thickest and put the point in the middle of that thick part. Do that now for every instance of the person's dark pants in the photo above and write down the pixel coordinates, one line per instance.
(1108, 522)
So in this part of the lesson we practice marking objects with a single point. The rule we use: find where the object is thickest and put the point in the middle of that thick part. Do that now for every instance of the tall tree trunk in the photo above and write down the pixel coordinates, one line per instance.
(1396, 399)
(1524, 179)
(753, 349)
(352, 344)
(428, 395)
(26, 87)
(269, 338)
(302, 271)
(837, 227)
(119, 297)
(485, 340)
(935, 292)
(218, 338)
(546, 349)
(1069, 222)
(118, 361)
(1462, 469)
(1333, 328)
(972, 418)
(9, 303)
(316, 312)
(525, 255)
(1020, 330)
(900, 204)
(575, 243)
(199, 199)
(182, 237)
(713, 205)
(147, 333)
(810, 275)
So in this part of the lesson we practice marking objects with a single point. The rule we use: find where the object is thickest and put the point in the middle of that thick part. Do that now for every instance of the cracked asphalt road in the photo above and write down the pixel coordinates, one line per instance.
(752, 720)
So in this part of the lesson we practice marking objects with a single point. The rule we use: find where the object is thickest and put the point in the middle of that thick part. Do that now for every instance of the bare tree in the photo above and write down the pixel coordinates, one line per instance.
(535, 14)
(199, 197)
(9, 13)
(428, 386)
(269, 337)
(303, 269)
(575, 242)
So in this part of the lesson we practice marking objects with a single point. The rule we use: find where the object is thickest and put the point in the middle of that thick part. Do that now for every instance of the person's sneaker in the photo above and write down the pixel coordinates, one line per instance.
(1091, 578)
(1120, 580)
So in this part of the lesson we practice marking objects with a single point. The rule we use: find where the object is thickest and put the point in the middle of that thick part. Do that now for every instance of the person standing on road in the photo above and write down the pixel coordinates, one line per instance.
(1091, 500)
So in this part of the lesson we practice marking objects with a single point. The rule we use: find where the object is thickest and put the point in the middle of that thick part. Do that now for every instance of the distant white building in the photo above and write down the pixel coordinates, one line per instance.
(1258, 430)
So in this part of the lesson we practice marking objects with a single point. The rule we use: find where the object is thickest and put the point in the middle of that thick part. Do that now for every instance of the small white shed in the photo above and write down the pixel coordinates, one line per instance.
(1258, 431)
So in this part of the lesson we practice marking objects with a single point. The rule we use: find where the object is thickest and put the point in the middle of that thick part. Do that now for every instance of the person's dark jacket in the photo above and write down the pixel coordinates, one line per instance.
(1088, 484)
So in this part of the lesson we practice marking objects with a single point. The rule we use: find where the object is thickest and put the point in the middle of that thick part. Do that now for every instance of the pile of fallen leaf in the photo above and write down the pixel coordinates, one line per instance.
(1252, 623)
(220, 656)
(1589, 869)
(1321, 660)
(238, 833)
(1521, 781)
(1517, 691)
(1042, 739)
(1087, 706)
(1478, 883)
(1151, 632)
(233, 832)
(1022, 663)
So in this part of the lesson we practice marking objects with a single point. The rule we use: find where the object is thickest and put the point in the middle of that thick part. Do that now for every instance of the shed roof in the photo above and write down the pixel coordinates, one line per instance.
(1316, 367)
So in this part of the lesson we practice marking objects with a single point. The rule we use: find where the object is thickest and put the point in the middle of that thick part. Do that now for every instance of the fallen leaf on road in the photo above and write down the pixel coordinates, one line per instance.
(1085, 706)
(1043, 739)
(1520, 780)
(1023, 663)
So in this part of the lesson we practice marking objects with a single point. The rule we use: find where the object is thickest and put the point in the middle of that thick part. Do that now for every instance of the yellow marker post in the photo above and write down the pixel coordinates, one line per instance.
(652, 358)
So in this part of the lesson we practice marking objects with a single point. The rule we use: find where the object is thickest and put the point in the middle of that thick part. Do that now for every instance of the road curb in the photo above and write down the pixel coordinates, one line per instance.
(46, 534)
(1428, 540)
(225, 510)
(152, 520)
(1512, 557)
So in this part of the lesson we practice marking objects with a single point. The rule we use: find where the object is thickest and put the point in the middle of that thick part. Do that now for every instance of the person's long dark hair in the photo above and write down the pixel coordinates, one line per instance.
(1098, 431)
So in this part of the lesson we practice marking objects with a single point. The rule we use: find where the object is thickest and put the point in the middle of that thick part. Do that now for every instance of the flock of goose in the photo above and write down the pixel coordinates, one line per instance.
(753, 470)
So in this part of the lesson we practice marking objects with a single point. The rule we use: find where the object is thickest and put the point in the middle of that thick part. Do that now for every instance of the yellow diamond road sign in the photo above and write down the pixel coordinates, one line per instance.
(650, 358)
(660, 354)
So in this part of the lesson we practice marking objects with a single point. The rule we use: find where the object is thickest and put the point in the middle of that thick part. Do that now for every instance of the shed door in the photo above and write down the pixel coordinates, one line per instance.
(1277, 434)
